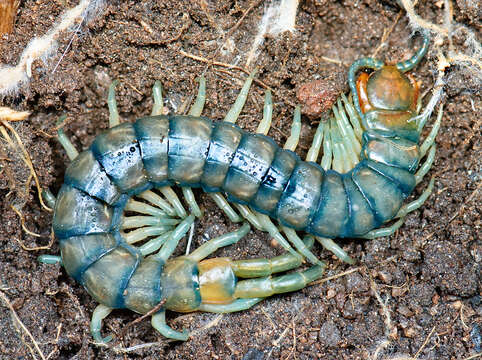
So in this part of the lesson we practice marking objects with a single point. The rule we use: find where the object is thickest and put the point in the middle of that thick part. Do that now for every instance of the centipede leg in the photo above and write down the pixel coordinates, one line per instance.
(235, 110)
(112, 104)
(157, 108)
(176, 235)
(292, 141)
(223, 204)
(235, 306)
(219, 242)
(386, 231)
(430, 139)
(265, 124)
(198, 106)
(49, 259)
(267, 286)
(49, 198)
(300, 245)
(423, 170)
(314, 150)
(271, 228)
(100, 313)
(65, 141)
(326, 160)
(191, 201)
(330, 245)
(158, 322)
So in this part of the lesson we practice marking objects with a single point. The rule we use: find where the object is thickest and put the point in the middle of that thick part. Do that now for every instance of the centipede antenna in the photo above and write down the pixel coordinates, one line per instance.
(223, 204)
(112, 104)
(409, 64)
(314, 150)
(292, 141)
(99, 314)
(365, 63)
(49, 198)
(330, 245)
(69, 148)
(238, 105)
(157, 108)
(198, 106)
(265, 124)
(191, 201)
(158, 322)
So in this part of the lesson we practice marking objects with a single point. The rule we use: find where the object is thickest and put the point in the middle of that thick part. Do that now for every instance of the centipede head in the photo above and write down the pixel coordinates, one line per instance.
(388, 99)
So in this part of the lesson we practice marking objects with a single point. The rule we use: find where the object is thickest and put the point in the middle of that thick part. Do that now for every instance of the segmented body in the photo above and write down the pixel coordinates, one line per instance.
(193, 151)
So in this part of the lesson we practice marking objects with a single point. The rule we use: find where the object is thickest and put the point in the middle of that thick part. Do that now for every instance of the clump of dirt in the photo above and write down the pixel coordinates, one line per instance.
(415, 293)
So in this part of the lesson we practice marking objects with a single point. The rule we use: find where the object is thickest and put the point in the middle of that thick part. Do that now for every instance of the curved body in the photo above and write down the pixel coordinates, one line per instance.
(192, 151)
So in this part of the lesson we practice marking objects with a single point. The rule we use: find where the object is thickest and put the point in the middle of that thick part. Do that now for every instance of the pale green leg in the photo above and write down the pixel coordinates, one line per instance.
(314, 150)
(386, 231)
(267, 286)
(224, 240)
(261, 267)
(327, 149)
(49, 198)
(143, 208)
(248, 215)
(353, 117)
(265, 124)
(191, 201)
(157, 96)
(300, 245)
(223, 204)
(337, 149)
(154, 244)
(155, 199)
(423, 170)
(100, 313)
(330, 245)
(404, 211)
(176, 235)
(235, 306)
(414, 205)
(69, 148)
(145, 232)
(271, 228)
(428, 142)
(112, 104)
(235, 110)
(292, 141)
(158, 322)
(50, 259)
(198, 106)
(347, 129)
(172, 197)
(132, 222)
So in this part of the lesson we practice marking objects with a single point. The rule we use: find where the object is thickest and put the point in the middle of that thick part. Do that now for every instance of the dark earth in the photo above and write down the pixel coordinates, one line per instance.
(426, 275)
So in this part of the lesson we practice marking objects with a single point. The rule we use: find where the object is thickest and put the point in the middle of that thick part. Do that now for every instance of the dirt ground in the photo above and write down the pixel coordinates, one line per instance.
(416, 293)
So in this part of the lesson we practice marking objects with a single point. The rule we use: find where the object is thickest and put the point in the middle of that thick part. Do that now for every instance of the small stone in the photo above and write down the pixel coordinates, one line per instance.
(329, 334)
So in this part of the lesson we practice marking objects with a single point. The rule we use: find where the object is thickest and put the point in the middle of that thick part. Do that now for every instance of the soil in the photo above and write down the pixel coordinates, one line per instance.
(416, 293)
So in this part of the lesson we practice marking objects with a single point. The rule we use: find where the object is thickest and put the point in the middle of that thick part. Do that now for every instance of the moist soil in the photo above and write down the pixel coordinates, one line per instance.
(416, 293)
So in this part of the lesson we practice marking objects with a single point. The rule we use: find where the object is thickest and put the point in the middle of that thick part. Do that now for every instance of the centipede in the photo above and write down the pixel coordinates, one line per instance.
(118, 219)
